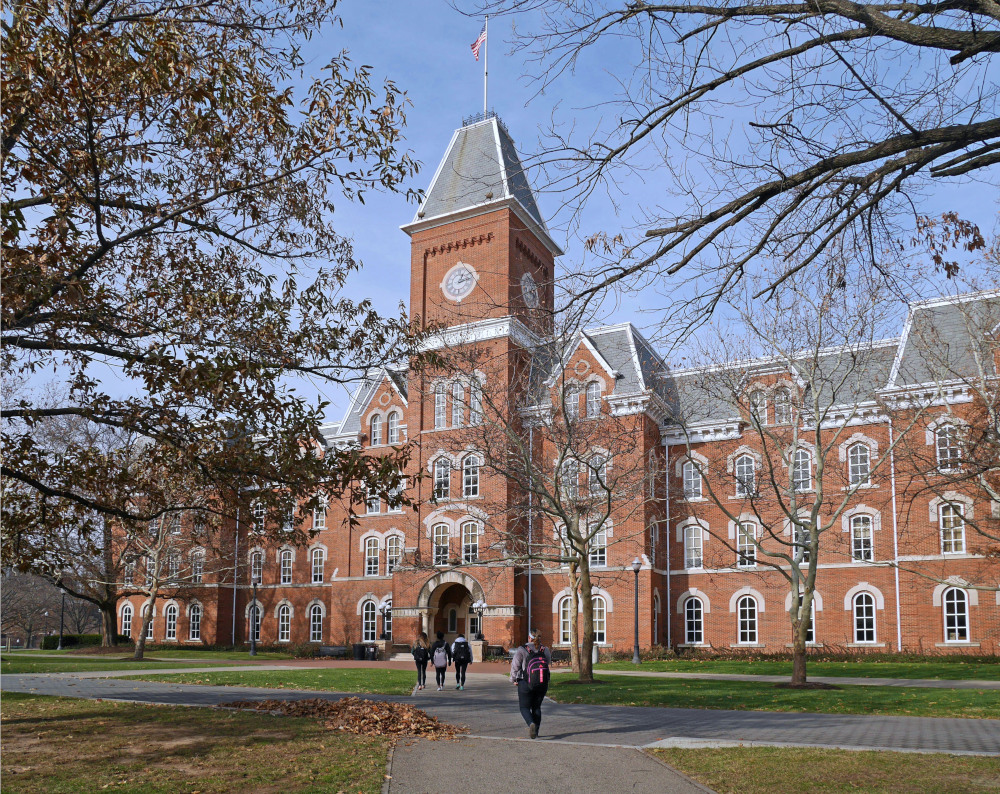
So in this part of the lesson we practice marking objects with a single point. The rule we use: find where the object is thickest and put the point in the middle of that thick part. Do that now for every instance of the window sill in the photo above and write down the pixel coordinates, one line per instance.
(748, 645)
(694, 645)
(748, 567)
(808, 645)
(866, 645)
(957, 644)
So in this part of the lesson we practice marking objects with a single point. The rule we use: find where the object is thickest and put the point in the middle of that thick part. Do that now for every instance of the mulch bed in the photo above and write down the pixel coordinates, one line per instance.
(357, 715)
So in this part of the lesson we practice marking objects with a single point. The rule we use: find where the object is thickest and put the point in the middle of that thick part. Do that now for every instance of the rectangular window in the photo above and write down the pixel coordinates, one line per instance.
(475, 403)
(457, 404)
(470, 477)
(197, 567)
(393, 553)
(440, 544)
(746, 480)
(948, 444)
(371, 557)
(319, 516)
(861, 539)
(859, 463)
(256, 567)
(952, 528)
(288, 524)
(746, 547)
(396, 493)
(593, 400)
(442, 479)
(173, 566)
(571, 400)
(373, 504)
(692, 547)
(318, 559)
(654, 543)
(800, 552)
(286, 567)
(802, 471)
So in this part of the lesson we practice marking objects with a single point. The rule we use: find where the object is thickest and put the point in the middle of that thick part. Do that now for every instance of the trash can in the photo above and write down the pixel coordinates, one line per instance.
(371, 653)
(359, 651)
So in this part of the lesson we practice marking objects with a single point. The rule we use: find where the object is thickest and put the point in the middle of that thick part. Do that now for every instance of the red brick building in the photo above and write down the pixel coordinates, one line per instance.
(902, 570)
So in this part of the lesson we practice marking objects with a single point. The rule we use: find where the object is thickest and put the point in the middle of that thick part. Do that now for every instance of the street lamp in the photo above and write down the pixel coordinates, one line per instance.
(62, 612)
(636, 565)
(479, 607)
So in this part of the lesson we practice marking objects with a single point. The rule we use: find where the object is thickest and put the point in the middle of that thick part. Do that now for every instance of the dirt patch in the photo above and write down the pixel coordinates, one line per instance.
(357, 715)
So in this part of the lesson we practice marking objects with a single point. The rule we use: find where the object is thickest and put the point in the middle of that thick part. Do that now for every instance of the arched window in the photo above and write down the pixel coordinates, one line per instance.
(571, 399)
(782, 407)
(255, 622)
(593, 399)
(746, 544)
(457, 404)
(952, 520)
(747, 612)
(571, 478)
(565, 621)
(948, 445)
(256, 567)
(802, 470)
(387, 621)
(693, 625)
(440, 544)
(691, 477)
(284, 623)
(376, 430)
(452, 621)
(758, 406)
(956, 615)
(859, 463)
(598, 546)
(174, 566)
(862, 548)
(692, 546)
(285, 558)
(371, 557)
(170, 619)
(197, 566)
(318, 561)
(393, 553)
(319, 515)
(470, 541)
(315, 623)
(440, 406)
(258, 513)
(127, 620)
(194, 623)
(600, 619)
(475, 403)
(746, 479)
(392, 427)
(470, 476)
(442, 479)
(597, 475)
(864, 618)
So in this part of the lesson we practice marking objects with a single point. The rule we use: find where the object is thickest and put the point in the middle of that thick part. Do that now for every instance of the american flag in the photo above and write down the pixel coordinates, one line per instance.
(479, 42)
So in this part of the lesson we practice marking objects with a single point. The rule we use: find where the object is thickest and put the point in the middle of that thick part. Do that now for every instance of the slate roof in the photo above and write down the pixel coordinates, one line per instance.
(480, 166)
(941, 338)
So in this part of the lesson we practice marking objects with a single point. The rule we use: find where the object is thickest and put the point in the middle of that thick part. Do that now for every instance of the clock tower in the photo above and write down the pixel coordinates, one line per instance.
(480, 249)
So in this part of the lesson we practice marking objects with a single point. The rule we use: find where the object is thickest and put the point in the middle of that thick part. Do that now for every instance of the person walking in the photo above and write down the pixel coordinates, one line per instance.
(441, 657)
(529, 671)
(422, 655)
(461, 652)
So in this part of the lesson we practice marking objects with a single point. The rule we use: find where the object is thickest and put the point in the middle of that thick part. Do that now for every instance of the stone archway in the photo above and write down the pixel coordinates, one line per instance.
(445, 600)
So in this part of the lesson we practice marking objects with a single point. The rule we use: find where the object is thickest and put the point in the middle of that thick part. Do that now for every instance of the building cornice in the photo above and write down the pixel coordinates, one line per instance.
(483, 331)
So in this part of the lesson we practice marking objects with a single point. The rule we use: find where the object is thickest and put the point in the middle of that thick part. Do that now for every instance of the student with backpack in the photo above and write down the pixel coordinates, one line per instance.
(441, 657)
(421, 655)
(461, 652)
(529, 670)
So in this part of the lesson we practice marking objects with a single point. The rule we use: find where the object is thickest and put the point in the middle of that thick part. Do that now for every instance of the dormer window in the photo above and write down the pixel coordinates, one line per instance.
(758, 406)
(782, 407)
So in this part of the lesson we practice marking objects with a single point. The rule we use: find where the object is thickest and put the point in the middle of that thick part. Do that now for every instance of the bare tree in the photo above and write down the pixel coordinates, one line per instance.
(794, 459)
(29, 605)
(567, 486)
(774, 130)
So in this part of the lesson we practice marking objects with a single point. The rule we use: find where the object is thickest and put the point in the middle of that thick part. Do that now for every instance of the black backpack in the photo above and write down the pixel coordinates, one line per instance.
(536, 669)
(463, 653)
(421, 654)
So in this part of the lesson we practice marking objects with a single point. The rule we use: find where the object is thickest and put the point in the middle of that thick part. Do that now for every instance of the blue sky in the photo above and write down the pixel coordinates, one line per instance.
(425, 47)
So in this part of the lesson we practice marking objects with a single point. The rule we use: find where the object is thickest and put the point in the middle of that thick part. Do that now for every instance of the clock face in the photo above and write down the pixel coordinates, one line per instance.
(529, 290)
(459, 281)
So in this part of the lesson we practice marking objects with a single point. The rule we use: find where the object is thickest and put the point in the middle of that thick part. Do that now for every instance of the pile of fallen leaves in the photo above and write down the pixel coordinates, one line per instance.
(357, 715)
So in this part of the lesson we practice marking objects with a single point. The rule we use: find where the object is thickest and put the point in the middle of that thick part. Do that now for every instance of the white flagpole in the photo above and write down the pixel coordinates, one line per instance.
(486, 62)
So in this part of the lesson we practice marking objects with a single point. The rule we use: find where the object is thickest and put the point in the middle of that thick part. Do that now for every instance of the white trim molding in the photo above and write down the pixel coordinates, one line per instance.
(863, 587)
(959, 584)
(746, 590)
(693, 592)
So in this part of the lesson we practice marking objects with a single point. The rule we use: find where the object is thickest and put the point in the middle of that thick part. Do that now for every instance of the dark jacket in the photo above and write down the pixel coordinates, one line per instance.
(440, 644)
(455, 650)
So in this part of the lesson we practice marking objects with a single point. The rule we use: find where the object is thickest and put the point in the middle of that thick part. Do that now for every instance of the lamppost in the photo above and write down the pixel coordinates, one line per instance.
(384, 610)
(479, 607)
(254, 614)
(636, 565)
(62, 612)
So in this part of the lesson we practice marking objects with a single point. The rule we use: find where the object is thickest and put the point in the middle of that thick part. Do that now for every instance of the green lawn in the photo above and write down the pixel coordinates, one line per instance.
(165, 653)
(63, 746)
(12, 663)
(754, 696)
(977, 670)
(383, 682)
(780, 770)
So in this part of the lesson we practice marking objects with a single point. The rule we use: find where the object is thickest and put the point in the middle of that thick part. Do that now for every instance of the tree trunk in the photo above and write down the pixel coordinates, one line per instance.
(140, 641)
(798, 660)
(574, 632)
(109, 625)
(587, 606)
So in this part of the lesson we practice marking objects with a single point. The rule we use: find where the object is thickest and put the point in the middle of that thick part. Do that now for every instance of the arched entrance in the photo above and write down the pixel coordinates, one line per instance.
(445, 603)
